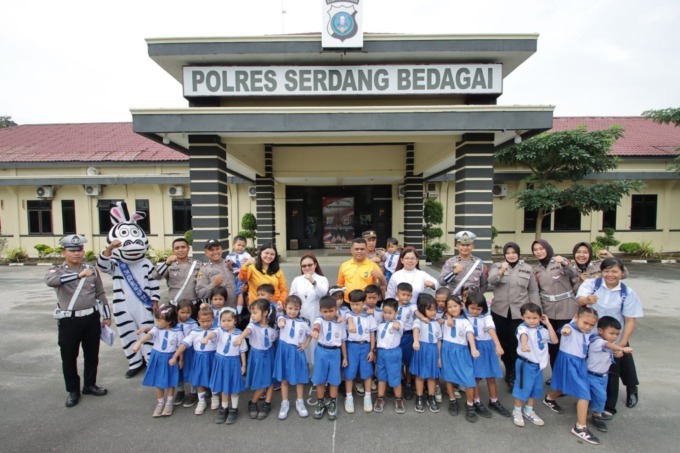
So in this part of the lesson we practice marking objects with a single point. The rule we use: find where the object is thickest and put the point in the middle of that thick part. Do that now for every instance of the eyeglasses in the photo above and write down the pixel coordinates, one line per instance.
(307, 265)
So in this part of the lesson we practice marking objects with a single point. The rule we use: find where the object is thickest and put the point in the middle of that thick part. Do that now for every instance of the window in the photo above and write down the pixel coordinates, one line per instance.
(643, 212)
(104, 208)
(181, 215)
(567, 219)
(68, 216)
(145, 223)
(530, 221)
(609, 218)
(39, 216)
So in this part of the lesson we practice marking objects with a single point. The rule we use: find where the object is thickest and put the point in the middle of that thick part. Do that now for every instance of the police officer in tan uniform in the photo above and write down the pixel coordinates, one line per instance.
(373, 253)
(81, 302)
(514, 285)
(464, 270)
(216, 273)
(179, 272)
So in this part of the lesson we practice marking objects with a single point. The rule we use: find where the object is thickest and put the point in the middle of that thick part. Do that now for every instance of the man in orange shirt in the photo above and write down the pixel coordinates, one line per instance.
(359, 272)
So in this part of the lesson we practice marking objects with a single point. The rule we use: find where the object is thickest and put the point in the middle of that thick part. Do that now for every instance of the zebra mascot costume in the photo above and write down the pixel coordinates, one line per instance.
(134, 291)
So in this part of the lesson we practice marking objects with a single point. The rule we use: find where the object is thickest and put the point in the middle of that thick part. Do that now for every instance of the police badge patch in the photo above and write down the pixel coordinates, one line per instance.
(342, 23)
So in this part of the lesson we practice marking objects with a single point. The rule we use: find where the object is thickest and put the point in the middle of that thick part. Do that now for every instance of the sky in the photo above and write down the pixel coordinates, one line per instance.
(79, 61)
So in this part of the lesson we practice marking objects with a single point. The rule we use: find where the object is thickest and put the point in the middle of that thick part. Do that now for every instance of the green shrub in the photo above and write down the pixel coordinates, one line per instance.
(16, 255)
(646, 250)
(608, 239)
(435, 251)
(156, 256)
(90, 256)
(43, 250)
(629, 247)
(189, 236)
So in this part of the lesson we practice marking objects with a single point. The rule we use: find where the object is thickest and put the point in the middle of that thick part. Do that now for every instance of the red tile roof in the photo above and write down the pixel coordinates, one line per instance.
(641, 137)
(86, 142)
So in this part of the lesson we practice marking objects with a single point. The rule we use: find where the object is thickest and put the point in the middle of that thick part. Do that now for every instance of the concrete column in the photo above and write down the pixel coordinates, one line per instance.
(266, 211)
(413, 203)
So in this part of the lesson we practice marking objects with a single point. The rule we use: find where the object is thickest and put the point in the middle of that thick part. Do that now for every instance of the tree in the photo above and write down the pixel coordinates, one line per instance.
(666, 116)
(249, 225)
(556, 157)
(433, 214)
(6, 121)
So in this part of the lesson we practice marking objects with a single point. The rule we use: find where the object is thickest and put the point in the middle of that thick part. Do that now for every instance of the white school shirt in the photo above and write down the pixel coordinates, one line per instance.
(224, 342)
(166, 340)
(237, 259)
(439, 315)
(193, 340)
(261, 338)
(295, 331)
(481, 326)
(337, 330)
(575, 343)
(536, 354)
(406, 315)
(391, 261)
(387, 336)
(600, 357)
(432, 327)
(367, 323)
(458, 333)
(377, 315)
(188, 326)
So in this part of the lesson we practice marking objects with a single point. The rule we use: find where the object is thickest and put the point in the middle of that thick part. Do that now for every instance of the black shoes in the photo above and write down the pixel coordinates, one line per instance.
(179, 398)
(408, 391)
(599, 424)
(252, 409)
(453, 407)
(94, 390)
(72, 399)
(231, 416)
(510, 380)
(552, 404)
(420, 403)
(632, 398)
(190, 400)
(221, 416)
(264, 411)
(134, 372)
(481, 410)
(496, 406)
(320, 409)
(432, 404)
(470, 413)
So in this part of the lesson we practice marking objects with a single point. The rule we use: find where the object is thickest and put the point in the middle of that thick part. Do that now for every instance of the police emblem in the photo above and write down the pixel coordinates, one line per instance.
(342, 22)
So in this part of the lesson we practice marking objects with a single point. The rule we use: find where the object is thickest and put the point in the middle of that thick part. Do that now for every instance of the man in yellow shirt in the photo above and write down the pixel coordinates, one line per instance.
(359, 272)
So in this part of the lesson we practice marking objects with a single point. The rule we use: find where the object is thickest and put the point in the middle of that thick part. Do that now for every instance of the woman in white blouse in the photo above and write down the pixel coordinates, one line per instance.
(408, 271)
(310, 287)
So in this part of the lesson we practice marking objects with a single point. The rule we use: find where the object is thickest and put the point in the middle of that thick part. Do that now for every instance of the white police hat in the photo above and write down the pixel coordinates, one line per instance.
(465, 237)
(73, 242)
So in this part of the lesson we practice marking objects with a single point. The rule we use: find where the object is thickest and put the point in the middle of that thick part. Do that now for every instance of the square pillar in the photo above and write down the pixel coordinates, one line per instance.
(266, 211)
(413, 203)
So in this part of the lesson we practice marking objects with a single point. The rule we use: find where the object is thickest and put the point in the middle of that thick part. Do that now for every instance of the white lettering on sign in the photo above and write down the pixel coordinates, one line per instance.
(342, 80)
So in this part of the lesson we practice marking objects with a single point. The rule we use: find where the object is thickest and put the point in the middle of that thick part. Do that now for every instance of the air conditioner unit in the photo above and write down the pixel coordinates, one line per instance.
(431, 190)
(175, 191)
(400, 191)
(44, 191)
(252, 191)
(499, 190)
(93, 190)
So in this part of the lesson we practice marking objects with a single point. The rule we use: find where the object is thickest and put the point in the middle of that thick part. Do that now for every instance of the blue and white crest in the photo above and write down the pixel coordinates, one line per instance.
(342, 22)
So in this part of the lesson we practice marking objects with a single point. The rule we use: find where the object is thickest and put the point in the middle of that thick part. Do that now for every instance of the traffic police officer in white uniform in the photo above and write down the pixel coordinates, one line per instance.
(81, 302)
(464, 270)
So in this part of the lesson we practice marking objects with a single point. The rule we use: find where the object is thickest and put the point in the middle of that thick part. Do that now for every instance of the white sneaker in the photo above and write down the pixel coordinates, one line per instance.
(368, 404)
(533, 418)
(159, 410)
(457, 395)
(359, 386)
(285, 407)
(438, 394)
(517, 419)
(215, 403)
(200, 407)
(349, 405)
(301, 409)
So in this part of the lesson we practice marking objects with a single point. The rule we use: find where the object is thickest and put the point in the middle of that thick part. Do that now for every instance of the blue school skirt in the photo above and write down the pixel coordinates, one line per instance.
(570, 376)
(159, 373)
(260, 368)
(226, 375)
(425, 362)
(290, 364)
(457, 364)
(389, 366)
(487, 364)
(185, 372)
(358, 365)
(201, 368)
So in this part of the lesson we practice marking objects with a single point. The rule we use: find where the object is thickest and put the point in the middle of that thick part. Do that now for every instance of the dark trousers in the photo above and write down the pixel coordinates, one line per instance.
(74, 332)
(553, 349)
(506, 329)
(623, 368)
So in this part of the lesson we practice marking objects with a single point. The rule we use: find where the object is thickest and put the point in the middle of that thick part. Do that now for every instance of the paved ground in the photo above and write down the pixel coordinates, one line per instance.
(33, 417)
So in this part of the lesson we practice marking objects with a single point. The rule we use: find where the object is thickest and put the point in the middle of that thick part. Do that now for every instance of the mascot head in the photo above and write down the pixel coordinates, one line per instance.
(134, 242)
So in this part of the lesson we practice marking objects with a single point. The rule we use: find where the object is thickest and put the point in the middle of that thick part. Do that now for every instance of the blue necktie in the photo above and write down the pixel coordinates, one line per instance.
(453, 329)
(165, 341)
(399, 313)
(226, 346)
(266, 338)
(328, 334)
(475, 328)
(292, 330)
(382, 335)
(389, 263)
(361, 330)
(541, 346)
(237, 262)
(205, 334)
(430, 334)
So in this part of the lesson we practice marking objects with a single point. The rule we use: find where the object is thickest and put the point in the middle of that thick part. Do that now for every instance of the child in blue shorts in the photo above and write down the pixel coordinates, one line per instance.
(329, 355)
(360, 346)
(532, 352)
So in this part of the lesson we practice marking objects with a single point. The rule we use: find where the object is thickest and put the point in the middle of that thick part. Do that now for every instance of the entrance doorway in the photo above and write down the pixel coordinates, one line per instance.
(330, 217)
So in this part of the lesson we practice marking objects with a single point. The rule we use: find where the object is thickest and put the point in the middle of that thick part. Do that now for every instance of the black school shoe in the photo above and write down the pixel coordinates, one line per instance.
(599, 424)
(72, 399)
(585, 434)
(190, 400)
(453, 407)
(94, 390)
(408, 391)
(231, 416)
(221, 416)
(319, 409)
(481, 410)
(498, 407)
(252, 409)
(179, 398)
(134, 372)
(264, 411)
(552, 404)
(432, 404)
(420, 403)
(332, 409)
(632, 397)
(470, 414)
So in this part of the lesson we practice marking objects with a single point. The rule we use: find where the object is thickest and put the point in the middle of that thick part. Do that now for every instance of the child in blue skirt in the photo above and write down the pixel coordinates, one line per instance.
(187, 324)
(161, 374)
(229, 365)
(388, 370)
(570, 373)
(458, 350)
(261, 361)
(290, 364)
(487, 366)
(426, 360)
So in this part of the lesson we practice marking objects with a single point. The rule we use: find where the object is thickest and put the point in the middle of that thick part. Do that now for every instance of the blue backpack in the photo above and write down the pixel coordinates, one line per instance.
(624, 289)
